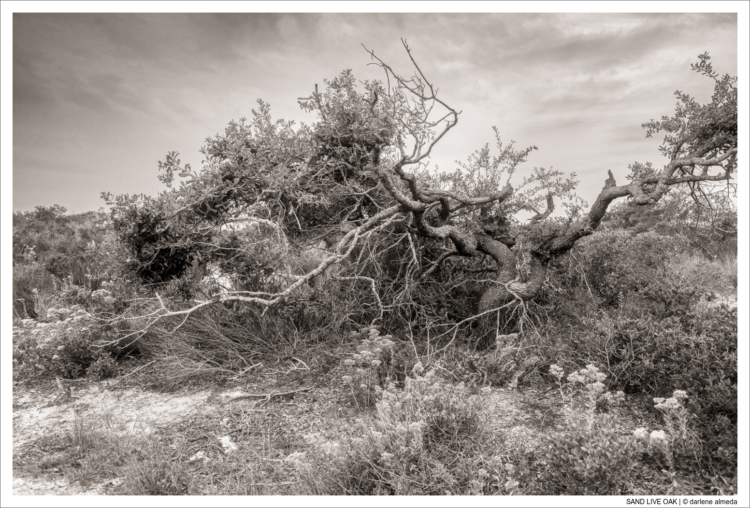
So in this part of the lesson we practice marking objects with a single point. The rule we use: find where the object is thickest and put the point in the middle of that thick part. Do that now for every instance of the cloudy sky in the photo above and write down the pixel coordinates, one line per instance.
(98, 99)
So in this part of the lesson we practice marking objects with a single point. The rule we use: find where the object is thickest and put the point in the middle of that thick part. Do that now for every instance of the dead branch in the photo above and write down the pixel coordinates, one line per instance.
(268, 396)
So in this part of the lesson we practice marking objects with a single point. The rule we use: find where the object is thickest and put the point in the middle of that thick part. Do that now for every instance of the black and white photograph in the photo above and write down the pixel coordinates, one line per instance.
(287, 253)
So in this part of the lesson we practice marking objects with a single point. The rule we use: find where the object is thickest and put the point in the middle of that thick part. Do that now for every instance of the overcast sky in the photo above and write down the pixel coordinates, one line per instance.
(98, 99)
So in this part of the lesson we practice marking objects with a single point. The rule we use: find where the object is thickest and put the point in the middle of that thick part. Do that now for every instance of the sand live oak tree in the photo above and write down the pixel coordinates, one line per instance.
(351, 193)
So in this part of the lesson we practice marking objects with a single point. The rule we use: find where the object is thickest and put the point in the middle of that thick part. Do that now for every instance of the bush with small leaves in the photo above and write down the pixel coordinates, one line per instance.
(366, 370)
(679, 441)
(427, 439)
(590, 457)
(64, 346)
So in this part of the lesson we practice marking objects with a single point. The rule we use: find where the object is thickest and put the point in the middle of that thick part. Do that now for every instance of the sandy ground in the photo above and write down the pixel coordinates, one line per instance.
(133, 410)
(40, 412)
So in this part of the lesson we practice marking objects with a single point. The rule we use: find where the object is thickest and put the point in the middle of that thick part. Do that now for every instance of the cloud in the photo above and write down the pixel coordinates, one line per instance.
(87, 86)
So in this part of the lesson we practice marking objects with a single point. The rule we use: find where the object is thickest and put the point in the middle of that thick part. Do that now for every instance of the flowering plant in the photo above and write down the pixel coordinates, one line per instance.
(678, 438)
(62, 346)
(365, 369)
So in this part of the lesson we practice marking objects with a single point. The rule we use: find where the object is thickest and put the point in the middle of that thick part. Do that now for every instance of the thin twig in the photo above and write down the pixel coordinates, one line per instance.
(268, 396)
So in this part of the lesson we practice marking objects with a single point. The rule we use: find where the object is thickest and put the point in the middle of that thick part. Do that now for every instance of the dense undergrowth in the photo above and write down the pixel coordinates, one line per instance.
(629, 319)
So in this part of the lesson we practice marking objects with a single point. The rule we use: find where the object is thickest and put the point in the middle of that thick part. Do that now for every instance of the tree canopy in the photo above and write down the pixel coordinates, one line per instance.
(352, 191)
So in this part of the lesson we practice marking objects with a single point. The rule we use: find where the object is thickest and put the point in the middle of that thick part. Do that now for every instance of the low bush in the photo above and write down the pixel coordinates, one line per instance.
(369, 370)
(591, 456)
(430, 438)
(67, 346)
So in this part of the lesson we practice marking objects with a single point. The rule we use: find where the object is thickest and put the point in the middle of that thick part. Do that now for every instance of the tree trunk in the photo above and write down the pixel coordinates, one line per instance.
(508, 284)
(507, 289)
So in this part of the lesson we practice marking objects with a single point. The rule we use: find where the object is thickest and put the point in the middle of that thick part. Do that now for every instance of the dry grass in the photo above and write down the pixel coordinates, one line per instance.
(188, 455)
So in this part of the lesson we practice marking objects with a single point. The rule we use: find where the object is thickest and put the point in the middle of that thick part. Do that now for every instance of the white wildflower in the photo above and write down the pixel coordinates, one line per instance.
(228, 445)
(680, 394)
(556, 371)
(658, 435)
(596, 387)
(640, 433)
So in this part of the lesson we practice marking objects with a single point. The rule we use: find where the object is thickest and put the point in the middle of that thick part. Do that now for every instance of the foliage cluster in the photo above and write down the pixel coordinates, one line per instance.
(428, 438)
(64, 346)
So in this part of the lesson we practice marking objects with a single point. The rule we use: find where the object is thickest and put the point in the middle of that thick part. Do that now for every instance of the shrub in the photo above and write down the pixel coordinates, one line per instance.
(679, 440)
(66, 347)
(617, 263)
(426, 439)
(590, 457)
(367, 370)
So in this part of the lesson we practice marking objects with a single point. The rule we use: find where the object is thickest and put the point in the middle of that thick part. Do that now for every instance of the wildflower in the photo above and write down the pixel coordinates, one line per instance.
(556, 371)
(640, 433)
(228, 445)
(346, 379)
(375, 363)
(658, 400)
(482, 473)
(361, 372)
(377, 350)
(600, 376)
(486, 390)
(576, 378)
(55, 357)
(680, 394)
(363, 386)
(357, 357)
(658, 435)
(672, 403)
(418, 368)
(349, 363)
(385, 456)
(596, 387)
(416, 427)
